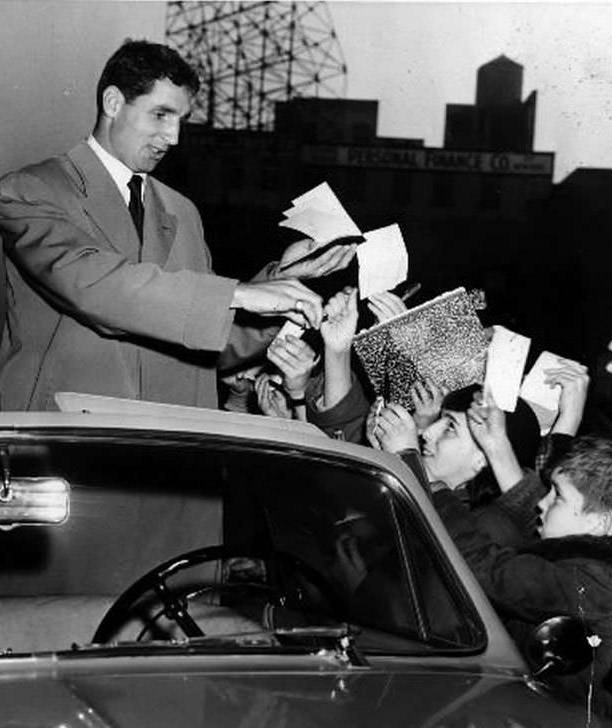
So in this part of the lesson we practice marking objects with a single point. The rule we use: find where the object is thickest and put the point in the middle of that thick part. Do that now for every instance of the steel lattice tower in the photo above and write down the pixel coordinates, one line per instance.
(250, 54)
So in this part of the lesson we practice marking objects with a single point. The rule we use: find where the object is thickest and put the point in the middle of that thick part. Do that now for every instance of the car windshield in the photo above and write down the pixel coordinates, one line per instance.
(283, 539)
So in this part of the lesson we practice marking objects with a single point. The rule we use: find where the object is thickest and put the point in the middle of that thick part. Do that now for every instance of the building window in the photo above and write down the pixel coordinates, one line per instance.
(442, 193)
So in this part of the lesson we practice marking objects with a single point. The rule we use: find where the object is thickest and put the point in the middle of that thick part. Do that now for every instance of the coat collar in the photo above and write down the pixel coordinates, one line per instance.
(106, 208)
(572, 547)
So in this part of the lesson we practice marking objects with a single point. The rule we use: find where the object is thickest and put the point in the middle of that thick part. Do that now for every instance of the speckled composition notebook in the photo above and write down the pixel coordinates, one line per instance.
(442, 340)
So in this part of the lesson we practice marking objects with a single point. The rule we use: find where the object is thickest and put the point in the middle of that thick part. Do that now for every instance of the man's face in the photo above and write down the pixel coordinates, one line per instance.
(141, 131)
(562, 510)
(449, 451)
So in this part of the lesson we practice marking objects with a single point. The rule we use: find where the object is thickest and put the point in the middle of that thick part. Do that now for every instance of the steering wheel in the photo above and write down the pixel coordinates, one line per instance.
(174, 605)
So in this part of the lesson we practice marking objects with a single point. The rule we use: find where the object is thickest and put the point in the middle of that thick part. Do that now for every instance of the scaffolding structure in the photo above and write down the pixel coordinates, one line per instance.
(251, 54)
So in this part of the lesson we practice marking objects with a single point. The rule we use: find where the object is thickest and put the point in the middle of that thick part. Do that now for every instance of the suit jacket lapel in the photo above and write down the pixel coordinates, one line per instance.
(102, 201)
(159, 227)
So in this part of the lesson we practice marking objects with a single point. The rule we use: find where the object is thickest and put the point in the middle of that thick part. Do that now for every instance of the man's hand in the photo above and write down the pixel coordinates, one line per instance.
(340, 322)
(288, 298)
(296, 361)
(272, 401)
(394, 429)
(427, 398)
(333, 259)
(573, 378)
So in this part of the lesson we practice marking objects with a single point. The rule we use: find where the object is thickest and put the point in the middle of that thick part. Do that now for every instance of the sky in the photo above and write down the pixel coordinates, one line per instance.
(415, 57)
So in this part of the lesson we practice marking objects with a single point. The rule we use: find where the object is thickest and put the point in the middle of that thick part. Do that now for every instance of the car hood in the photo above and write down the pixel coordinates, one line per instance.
(307, 693)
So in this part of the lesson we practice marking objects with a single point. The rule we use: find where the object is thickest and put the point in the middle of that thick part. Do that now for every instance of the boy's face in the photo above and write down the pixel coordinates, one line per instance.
(449, 451)
(562, 511)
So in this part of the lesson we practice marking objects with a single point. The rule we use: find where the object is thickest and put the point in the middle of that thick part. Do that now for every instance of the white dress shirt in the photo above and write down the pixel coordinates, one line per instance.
(118, 171)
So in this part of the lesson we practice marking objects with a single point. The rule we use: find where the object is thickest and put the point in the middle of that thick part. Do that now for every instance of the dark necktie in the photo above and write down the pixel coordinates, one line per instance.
(135, 205)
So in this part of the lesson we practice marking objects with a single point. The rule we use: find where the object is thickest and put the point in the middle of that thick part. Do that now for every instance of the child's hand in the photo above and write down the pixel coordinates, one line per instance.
(386, 305)
(427, 398)
(340, 323)
(395, 429)
(241, 383)
(271, 399)
(487, 423)
(573, 378)
(295, 359)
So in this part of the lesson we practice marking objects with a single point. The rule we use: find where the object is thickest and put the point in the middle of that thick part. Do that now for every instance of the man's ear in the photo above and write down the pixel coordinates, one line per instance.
(112, 101)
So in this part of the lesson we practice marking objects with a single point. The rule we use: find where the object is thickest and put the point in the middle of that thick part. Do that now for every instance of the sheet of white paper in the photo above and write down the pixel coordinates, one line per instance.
(321, 196)
(322, 226)
(545, 399)
(289, 327)
(506, 357)
(383, 260)
(319, 214)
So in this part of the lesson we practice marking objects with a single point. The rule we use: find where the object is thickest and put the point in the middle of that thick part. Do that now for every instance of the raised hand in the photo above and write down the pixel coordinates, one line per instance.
(386, 305)
(487, 423)
(296, 360)
(394, 429)
(427, 398)
(288, 298)
(340, 320)
(573, 378)
(333, 259)
(271, 399)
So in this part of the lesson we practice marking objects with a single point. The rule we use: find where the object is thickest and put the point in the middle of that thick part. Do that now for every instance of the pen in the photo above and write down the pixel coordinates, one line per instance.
(380, 403)
(414, 288)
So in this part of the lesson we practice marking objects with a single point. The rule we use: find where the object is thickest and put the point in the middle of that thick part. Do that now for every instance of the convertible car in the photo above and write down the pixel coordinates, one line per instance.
(164, 566)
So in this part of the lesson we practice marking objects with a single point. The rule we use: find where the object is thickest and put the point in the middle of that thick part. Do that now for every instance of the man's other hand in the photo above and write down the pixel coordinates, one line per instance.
(333, 259)
(288, 298)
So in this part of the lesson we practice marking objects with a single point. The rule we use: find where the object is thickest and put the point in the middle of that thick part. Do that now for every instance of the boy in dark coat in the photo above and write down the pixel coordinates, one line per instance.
(568, 569)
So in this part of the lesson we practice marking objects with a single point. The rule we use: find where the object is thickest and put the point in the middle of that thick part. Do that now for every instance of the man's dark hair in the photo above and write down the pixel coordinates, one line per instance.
(137, 64)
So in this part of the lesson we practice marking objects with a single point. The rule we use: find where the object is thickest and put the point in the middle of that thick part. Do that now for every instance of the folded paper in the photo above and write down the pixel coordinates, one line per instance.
(506, 359)
(543, 398)
(383, 261)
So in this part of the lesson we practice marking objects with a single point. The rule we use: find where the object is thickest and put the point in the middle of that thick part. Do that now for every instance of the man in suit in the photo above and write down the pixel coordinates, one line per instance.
(110, 285)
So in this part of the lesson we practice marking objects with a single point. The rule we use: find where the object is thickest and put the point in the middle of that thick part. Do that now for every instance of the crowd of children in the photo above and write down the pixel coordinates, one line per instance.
(531, 515)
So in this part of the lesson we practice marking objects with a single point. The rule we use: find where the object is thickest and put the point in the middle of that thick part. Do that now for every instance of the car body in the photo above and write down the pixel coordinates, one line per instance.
(335, 598)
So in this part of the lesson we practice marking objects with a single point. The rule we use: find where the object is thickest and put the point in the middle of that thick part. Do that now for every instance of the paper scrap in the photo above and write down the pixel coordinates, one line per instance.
(383, 260)
(319, 214)
(506, 357)
(290, 328)
(543, 398)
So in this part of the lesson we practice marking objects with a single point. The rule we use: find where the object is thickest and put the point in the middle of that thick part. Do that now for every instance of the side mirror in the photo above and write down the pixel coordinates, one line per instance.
(559, 646)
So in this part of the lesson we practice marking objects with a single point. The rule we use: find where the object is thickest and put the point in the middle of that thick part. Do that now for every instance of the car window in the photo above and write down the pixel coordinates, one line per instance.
(307, 540)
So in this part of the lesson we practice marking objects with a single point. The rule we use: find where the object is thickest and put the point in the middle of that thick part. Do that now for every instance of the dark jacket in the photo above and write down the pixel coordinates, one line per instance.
(542, 579)
(346, 419)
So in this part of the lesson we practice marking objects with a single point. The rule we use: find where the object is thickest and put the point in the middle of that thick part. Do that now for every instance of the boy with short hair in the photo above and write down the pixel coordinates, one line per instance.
(568, 569)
